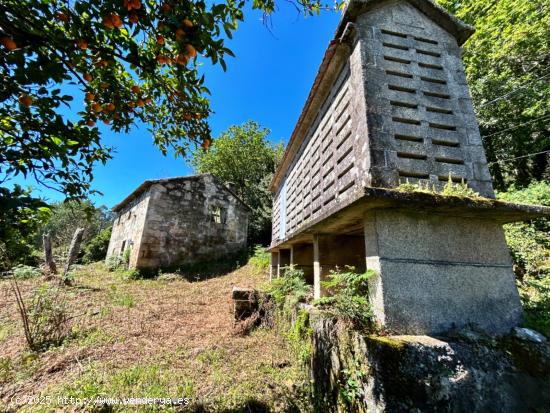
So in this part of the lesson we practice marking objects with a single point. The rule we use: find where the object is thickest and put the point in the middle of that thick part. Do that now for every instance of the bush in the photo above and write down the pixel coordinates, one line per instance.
(113, 262)
(96, 248)
(529, 244)
(349, 300)
(44, 317)
(23, 272)
(289, 289)
(261, 258)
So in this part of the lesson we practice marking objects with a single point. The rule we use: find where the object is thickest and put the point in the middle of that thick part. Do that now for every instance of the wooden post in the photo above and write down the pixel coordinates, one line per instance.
(48, 257)
(74, 249)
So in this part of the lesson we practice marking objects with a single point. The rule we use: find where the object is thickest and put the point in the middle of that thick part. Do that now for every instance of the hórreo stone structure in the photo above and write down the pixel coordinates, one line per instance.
(390, 105)
(167, 223)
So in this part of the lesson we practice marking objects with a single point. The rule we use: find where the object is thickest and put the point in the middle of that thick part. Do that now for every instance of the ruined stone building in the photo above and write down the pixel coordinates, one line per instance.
(389, 105)
(166, 223)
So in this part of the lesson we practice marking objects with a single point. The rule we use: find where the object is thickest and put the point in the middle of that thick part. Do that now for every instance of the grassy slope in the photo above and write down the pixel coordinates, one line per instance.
(149, 338)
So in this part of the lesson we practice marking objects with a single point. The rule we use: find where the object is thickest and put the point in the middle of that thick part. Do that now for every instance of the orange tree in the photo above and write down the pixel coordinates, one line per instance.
(132, 60)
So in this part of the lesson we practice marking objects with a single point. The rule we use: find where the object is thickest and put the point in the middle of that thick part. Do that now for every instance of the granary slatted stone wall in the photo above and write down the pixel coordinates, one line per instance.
(324, 169)
(422, 125)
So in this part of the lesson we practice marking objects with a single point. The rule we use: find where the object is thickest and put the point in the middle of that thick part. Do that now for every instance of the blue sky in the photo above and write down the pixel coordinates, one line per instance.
(268, 82)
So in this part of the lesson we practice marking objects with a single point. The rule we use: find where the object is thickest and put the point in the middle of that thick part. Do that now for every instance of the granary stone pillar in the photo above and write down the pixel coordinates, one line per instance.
(335, 251)
(273, 265)
(301, 256)
(284, 261)
(437, 272)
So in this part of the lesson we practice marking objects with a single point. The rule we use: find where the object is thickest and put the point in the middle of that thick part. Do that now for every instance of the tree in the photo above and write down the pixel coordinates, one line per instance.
(507, 66)
(67, 216)
(243, 156)
(21, 215)
(129, 61)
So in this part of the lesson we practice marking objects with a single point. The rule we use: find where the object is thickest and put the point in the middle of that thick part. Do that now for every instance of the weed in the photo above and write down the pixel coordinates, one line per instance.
(23, 272)
(113, 262)
(289, 289)
(349, 299)
(44, 316)
(261, 258)
(299, 336)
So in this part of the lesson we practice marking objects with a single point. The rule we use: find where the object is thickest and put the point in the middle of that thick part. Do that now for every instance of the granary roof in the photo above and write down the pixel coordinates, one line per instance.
(145, 185)
(354, 8)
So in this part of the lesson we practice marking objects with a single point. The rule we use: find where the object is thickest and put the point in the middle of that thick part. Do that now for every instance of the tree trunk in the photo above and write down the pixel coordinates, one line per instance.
(50, 264)
(74, 249)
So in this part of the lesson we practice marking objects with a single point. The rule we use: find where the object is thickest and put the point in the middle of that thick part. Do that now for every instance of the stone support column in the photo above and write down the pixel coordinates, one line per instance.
(437, 272)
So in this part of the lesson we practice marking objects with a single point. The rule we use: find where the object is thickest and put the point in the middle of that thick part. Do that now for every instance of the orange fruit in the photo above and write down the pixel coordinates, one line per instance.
(90, 123)
(106, 121)
(140, 103)
(115, 18)
(8, 43)
(187, 23)
(131, 104)
(83, 44)
(182, 59)
(88, 77)
(96, 107)
(190, 50)
(104, 85)
(136, 4)
(161, 59)
(160, 39)
(148, 100)
(25, 100)
(133, 18)
(206, 144)
(161, 26)
(136, 89)
(110, 107)
(90, 96)
(180, 33)
(166, 8)
(108, 22)
(61, 16)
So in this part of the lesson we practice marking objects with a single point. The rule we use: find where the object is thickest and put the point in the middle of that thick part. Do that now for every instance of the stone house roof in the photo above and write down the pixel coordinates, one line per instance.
(149, 182)
(336, 52)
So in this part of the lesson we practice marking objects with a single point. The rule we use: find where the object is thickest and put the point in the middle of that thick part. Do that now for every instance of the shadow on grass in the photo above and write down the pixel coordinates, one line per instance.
(206, 269)
(250, 406)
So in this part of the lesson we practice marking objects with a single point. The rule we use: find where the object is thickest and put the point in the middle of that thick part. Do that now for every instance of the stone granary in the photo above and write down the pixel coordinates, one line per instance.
(389, 105)
(166, 223)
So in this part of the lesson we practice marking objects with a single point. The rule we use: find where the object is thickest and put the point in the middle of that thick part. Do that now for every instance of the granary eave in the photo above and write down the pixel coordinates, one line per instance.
(347, 219)
(460, 30)
(145, 185)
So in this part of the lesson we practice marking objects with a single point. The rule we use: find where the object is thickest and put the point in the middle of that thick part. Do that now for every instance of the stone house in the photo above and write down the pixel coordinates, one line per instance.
(390, 104)
(166, 223)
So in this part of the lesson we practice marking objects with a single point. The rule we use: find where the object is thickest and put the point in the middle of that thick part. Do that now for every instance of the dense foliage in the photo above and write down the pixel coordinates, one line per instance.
(529, 243)
(290, 289)
(67, 216)
(507, 64)
(243, 156)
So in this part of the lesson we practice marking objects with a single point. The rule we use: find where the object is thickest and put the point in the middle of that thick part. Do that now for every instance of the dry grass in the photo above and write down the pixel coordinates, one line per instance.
(149, 338)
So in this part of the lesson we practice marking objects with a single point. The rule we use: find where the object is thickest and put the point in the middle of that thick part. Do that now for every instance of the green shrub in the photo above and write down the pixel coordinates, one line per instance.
(24, 272)
(349, 297)
(299, 336)
(289, 289)
(96, 248)
(529, 244)
(261, 258)
(46, 319)
(113, 262)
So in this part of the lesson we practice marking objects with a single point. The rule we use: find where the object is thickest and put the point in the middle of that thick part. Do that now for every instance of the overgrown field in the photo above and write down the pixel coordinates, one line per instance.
(165, 337)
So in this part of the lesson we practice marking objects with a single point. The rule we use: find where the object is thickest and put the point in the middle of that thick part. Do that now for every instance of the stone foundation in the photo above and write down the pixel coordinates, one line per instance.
(439, 272)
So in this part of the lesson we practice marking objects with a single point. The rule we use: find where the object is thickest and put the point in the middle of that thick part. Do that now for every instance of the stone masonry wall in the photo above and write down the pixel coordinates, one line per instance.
(128, 227)
(191, 219)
